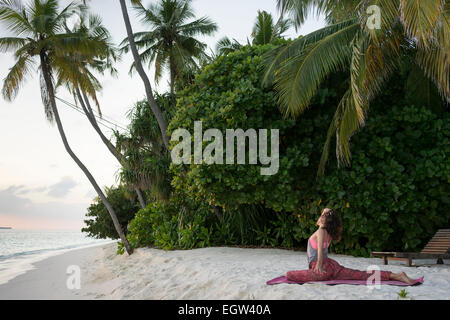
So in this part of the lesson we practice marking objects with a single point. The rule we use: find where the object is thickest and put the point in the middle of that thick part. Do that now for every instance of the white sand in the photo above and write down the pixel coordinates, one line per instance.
(206, 274)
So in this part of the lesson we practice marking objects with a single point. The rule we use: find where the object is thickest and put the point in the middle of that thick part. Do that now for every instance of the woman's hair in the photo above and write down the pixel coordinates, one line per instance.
(333, 224)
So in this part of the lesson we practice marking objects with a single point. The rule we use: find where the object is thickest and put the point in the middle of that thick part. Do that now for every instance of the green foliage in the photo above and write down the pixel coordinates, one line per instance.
(171, 225)
(223, 98)
(154, 226)
(146, 162)
(100, 225)
(120, 248)
(394, 196)
(188, 225)
(403, 294)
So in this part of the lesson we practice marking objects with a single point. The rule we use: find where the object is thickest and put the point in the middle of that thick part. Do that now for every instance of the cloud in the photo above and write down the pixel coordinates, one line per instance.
(62, 188)
(57, 190)
(22, 190)
(14, 205)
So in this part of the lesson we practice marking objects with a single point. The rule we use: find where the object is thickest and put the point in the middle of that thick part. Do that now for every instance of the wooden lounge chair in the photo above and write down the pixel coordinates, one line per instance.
(437, 248)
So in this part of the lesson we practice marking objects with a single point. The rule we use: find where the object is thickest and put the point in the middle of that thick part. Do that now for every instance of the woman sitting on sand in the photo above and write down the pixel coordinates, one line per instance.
(322, 268)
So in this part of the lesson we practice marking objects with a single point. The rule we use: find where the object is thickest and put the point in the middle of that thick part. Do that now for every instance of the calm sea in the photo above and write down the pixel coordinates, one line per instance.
(20, 248)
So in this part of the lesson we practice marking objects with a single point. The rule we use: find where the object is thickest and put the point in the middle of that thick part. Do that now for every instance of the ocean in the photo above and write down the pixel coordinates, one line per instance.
(19, 249)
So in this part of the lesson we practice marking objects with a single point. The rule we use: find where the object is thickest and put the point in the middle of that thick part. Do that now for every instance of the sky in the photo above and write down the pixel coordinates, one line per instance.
(40, 185)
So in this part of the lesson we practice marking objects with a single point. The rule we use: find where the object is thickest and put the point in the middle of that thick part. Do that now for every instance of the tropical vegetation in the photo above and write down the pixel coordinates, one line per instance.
(370, 53)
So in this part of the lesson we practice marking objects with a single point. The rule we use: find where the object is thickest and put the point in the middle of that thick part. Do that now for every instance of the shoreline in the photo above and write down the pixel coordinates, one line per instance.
(19, 264)
(47, 279)
(216, 273)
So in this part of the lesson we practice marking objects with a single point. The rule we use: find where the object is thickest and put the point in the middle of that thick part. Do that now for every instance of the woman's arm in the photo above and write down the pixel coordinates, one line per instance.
(320, 240)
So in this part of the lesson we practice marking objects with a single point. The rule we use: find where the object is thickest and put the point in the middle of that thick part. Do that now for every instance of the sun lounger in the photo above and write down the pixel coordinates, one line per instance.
(437, 248)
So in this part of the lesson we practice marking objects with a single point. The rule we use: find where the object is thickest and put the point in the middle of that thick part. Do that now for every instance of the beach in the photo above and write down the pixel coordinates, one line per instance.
(220, 273)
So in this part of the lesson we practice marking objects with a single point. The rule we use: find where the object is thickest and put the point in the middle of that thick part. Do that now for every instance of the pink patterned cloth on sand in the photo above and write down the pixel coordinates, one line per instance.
(332, 271)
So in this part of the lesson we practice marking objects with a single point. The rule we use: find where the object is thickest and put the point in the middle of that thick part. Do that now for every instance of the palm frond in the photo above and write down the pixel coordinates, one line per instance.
(75, 43)
(70, 10)
(149, 15)
(347, 124)
(420, 90)
(389, 11)
(263, 29)
(282, 26)
(299, 77)
(435, 62)
(16, 76)
(420, 19)
(202, 26)
(11, 43)
(299, 10)
(276, 57)
(326, 148)
(335, 11)
(225, 46)
(14, 15)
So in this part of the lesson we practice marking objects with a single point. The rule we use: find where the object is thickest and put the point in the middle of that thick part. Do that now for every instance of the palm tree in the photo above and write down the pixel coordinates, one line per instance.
(266, 31)
(40, 35)
(171, 42)
(225, 46)
(371, 55)
(82, 83)
(148, 87)
(146, 164)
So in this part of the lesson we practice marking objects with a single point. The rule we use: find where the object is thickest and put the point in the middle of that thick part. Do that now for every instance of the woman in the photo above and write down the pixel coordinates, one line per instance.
(322, 268)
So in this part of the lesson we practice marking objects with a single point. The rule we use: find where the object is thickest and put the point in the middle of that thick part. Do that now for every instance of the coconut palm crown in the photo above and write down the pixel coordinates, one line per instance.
(366, 39)
(171, 44)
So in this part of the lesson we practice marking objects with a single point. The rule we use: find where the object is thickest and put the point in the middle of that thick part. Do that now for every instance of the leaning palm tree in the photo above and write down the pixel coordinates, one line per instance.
(371, 52)
(171, 44)
(266, 31)
(82, 83)
(40, 34)
(140, 70)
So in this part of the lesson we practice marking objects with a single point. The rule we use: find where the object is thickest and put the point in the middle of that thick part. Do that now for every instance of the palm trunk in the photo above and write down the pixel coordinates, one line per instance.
(141, 198)
(148, 88)
(46, 71)
(91, 117)
(172, 77)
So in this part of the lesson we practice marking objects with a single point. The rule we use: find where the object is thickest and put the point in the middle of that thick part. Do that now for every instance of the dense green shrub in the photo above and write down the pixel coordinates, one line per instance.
(100, 225)
(396, 193)
(154, 226)
(228, 95)
(172, 225)
(186, 226)
(393, 196)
